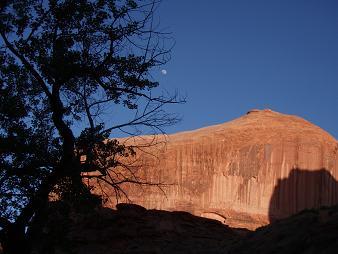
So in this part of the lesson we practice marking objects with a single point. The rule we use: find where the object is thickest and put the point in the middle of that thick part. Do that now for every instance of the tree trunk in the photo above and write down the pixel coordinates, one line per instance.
(14, 240)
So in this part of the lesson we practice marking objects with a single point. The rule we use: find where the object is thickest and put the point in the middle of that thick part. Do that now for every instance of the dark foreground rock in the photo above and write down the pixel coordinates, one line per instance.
(132, 229)
(309, 232)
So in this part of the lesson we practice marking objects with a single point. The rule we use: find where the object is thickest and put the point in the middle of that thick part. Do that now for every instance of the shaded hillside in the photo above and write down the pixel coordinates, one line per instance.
(131, 229)
(310, 231)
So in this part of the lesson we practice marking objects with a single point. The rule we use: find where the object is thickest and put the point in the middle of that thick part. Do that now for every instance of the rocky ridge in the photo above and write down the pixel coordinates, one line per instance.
(129, 229)
(310, 231)
(132, 229)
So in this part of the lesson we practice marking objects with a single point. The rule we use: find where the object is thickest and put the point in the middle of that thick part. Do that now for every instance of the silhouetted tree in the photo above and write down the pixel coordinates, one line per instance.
(64, 68)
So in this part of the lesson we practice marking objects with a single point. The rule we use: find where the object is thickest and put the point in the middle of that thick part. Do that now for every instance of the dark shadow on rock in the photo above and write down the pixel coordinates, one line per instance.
(307, 232)
(302, 189)
(131, 229)
(304, 216)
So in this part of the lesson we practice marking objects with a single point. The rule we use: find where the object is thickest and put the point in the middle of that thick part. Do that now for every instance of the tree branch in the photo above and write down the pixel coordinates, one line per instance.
(4, 222)
(25, 62)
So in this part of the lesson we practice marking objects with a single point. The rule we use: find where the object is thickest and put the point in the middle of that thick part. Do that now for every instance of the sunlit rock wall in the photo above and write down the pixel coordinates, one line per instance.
(244, 172)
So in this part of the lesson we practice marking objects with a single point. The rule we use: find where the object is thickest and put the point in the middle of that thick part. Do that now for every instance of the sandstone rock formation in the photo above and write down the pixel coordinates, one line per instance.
(236, 172)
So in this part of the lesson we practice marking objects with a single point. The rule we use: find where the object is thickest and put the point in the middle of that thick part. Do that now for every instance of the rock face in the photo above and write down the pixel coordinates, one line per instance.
(247, 172)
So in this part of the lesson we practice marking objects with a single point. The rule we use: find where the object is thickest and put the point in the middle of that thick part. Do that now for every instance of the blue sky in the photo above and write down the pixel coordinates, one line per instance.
(234, 55)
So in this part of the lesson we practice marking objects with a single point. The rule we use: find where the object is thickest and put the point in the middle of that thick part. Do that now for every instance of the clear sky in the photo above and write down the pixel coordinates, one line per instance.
(235, 55)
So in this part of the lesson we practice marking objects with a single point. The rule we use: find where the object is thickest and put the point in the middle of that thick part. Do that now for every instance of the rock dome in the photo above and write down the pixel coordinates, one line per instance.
(247, 172)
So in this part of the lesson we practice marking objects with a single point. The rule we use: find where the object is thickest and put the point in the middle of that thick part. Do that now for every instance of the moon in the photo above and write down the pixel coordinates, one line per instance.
(164, 72)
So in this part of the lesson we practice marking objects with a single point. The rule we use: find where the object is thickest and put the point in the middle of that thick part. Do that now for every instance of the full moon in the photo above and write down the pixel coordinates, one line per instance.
(164, 72)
